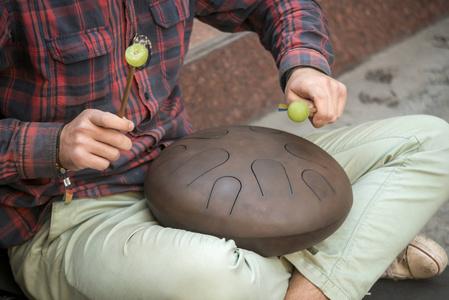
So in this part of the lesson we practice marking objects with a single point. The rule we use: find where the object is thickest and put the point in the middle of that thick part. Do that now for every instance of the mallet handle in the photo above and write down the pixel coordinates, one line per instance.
(129, 81)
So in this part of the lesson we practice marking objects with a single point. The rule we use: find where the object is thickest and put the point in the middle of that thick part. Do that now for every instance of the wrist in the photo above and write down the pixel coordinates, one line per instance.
(287, 75)
(68, 188)
(59, 166)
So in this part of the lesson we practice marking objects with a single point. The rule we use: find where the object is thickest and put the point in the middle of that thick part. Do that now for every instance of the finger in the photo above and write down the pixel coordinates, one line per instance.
(89, 153)
(113, 138)
(96, 162)
(82, 158)
(342, 96)
(108, 120)
(336, 100)
(104, 150)
(333, 100)
(325, 108)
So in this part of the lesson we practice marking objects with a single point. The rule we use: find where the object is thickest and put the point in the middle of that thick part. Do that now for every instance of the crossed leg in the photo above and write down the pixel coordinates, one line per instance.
(112, 248)
(399, 169)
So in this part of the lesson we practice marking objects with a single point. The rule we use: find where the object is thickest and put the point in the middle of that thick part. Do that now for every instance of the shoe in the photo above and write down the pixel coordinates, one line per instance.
(421, 259)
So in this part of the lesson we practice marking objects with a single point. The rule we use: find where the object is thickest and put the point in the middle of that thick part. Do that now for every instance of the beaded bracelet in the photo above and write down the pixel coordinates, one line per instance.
(68, 195)
(287, 75)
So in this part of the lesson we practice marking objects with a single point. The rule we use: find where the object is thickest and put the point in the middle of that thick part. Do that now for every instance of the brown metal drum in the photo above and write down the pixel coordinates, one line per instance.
(270, 191)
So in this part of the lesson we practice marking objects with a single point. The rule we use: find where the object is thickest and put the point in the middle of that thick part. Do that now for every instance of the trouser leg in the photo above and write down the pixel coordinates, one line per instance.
(399, 170)
(112, 248)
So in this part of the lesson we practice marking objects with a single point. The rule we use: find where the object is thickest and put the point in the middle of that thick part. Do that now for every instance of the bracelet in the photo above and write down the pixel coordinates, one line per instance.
(289, 73)
(68, 194)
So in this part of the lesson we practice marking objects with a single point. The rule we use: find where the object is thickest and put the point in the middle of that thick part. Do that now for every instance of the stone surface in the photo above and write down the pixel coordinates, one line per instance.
(361, 27)
(230, 80)
(230, 85)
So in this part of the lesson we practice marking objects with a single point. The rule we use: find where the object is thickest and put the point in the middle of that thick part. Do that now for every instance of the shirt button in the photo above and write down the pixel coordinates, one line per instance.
(147, 96)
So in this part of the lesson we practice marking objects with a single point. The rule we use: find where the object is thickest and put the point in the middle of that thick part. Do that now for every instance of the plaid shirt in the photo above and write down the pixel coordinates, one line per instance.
(58, 58)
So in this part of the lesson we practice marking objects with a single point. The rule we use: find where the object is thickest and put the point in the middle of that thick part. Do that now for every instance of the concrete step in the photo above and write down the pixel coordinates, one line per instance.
(232, 79)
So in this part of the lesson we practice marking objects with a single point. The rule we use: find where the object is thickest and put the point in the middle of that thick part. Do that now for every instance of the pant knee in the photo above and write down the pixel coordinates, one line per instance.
(213, 270)
(224, 273)
(228, 272)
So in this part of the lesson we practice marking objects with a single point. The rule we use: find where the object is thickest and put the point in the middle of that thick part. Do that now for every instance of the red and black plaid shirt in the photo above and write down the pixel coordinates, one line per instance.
(58, 58)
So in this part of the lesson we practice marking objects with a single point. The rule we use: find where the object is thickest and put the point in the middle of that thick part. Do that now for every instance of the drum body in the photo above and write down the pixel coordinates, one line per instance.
(270, 191)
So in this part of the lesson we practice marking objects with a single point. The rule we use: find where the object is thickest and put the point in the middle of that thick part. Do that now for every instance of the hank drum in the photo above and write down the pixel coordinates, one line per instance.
(270, 191)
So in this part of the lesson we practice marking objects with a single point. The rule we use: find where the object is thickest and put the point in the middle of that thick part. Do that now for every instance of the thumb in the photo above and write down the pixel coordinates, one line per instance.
(108, 120)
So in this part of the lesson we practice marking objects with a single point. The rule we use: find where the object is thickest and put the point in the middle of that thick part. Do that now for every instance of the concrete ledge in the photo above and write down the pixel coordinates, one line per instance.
(236, 80)
(206, 39)
(231, 84)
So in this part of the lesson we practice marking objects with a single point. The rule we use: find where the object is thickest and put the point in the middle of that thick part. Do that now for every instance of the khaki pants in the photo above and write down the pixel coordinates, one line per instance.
(112, 247)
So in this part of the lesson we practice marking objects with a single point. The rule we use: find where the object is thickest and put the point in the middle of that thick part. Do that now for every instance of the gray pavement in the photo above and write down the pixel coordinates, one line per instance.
(409, 77)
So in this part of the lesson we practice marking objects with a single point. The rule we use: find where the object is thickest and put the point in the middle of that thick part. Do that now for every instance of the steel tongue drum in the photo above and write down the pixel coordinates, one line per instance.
(270, 191)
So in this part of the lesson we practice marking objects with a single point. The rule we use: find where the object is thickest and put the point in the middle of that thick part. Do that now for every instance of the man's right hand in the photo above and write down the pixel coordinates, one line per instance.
(93, 140)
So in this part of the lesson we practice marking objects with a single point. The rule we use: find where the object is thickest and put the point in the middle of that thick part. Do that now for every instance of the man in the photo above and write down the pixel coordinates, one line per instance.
(62, 62)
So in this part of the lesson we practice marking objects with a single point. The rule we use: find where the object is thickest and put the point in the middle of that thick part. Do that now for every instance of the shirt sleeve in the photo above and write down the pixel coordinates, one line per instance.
(295, 32)
(27, 150)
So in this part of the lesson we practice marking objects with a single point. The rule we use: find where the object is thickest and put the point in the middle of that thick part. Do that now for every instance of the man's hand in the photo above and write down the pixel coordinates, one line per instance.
(317, 90)
(93, 140)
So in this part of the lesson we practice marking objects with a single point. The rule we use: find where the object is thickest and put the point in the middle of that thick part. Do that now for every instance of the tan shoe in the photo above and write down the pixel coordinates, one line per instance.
(423, 258)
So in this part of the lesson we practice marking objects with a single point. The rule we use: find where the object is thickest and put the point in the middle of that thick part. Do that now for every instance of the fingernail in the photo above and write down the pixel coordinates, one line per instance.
(131, 126)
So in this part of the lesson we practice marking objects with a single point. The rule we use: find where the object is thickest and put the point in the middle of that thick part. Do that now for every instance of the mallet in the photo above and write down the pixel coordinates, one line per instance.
(297, 111)
(136, 55)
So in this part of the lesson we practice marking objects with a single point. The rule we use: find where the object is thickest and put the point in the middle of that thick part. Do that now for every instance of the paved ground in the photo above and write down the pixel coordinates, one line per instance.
(410, 77)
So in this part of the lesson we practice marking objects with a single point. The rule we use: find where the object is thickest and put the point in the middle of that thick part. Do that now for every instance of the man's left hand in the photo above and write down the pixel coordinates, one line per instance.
(317, 90)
